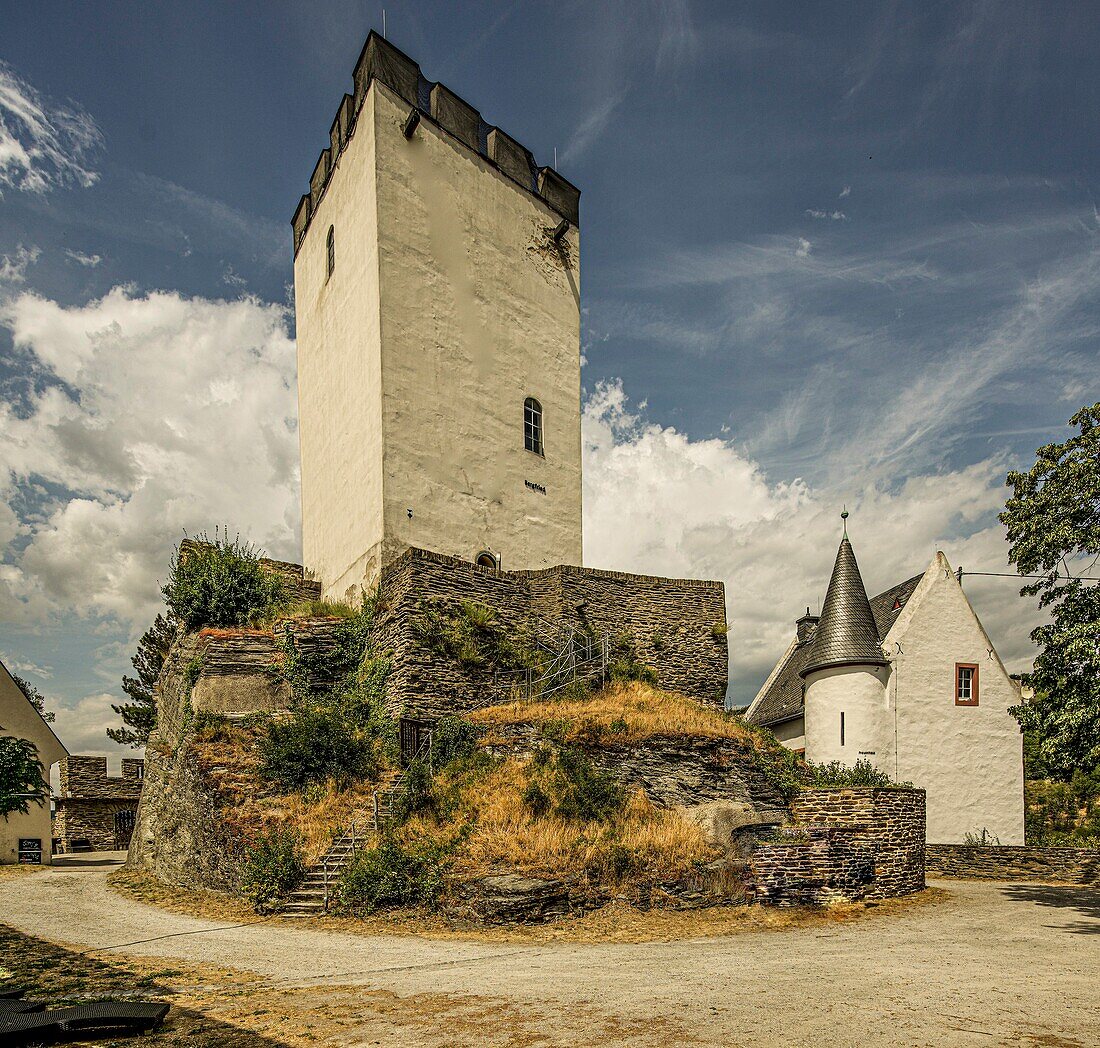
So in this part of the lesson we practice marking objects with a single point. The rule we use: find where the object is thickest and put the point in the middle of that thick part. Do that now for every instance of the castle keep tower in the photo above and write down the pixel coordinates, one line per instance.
(437, 290)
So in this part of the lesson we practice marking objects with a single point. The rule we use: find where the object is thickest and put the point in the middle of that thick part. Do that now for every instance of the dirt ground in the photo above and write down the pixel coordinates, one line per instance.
(981, 964)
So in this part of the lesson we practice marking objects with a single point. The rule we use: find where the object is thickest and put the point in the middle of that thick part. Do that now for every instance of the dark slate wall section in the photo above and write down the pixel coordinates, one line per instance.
(1012, 863)
(676, 624)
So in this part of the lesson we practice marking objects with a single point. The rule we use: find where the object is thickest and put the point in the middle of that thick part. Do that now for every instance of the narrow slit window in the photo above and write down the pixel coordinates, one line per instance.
(966, 684)
(532, 425)
(331, 251)
(841, 727)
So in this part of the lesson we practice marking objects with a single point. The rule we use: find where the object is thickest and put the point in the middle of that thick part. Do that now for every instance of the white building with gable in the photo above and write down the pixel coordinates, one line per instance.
(909, 681)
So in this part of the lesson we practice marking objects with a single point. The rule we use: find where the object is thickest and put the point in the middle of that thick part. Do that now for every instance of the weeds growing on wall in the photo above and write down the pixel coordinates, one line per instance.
(273, 868)
(470, 634)
(862, 773)
(625, 665)
(219, 582)
(340, 731)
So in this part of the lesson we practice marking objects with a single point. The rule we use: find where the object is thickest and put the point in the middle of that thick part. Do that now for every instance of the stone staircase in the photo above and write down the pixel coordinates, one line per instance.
(574, 656)
(311, 897)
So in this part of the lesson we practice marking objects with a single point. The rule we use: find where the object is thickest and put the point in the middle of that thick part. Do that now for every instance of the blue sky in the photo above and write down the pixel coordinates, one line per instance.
(832, 254)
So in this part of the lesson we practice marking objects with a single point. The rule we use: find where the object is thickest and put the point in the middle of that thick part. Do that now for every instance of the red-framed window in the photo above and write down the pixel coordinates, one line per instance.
(966, 684)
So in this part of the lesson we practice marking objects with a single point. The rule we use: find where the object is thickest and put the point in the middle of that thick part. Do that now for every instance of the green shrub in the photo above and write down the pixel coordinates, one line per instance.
(584, 792)
(1063, 814)
(782, 768)
(862, 773)
(416, 793)
(453, 738)
(316, 744)
(392, 874)
(219, 583)
(273, 868)
(537, 800)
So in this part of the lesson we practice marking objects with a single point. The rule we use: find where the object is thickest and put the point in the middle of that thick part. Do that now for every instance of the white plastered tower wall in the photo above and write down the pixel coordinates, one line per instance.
(969, 759)
(859, 694)
(449, 304)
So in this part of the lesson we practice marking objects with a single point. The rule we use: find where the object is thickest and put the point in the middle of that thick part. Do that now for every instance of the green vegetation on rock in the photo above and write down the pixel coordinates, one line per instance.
(219, 582)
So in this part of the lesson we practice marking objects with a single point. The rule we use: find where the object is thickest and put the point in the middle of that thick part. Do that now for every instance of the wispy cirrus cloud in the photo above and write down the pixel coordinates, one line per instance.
(13, 267)
(82, 259)
(43, 145)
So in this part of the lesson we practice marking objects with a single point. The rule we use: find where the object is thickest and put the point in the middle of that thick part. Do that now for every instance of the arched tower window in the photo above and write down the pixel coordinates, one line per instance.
(331, 249)
(488, 559)
(532, 425)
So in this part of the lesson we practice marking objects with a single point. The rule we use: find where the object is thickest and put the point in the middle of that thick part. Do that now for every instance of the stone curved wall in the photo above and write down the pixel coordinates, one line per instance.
(845, 844)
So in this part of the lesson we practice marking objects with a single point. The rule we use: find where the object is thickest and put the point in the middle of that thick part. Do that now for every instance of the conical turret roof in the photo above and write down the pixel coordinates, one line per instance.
(846, 632)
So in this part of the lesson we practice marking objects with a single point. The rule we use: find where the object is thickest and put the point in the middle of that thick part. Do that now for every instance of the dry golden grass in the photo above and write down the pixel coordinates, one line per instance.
(249, 808)
(503, 833)
(621, 713)
(11, 871)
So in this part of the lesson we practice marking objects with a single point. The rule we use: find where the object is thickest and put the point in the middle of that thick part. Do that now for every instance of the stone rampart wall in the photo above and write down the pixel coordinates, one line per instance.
(1010, 863)
(844, 844)
(86, 777)
(676, 625)
(892, 822)
(92, 821)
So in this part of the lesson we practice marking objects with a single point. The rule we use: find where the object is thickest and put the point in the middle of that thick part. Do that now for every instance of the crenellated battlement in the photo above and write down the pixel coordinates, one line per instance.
(381, 61)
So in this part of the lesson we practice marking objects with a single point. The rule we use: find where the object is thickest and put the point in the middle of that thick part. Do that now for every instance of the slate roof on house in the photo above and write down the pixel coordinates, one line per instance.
(783, 699)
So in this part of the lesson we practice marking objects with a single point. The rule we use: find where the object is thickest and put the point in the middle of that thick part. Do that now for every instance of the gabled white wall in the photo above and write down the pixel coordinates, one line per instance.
(21, 720)
(968, 758)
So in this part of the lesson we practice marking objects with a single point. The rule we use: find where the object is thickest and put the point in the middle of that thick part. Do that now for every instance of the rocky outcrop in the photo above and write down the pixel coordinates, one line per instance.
(674, 771)
(240, 668)
(180, 834)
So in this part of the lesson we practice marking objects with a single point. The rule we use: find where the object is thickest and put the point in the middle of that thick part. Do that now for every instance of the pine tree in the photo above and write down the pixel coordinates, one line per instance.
(139, 717)
(34, 697)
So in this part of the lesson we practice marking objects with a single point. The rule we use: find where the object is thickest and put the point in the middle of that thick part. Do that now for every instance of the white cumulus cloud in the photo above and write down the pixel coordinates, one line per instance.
(153, 413)
(657, 502)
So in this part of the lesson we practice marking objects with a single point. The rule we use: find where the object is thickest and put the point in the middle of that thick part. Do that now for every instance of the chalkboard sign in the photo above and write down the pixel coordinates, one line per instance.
(30, 851)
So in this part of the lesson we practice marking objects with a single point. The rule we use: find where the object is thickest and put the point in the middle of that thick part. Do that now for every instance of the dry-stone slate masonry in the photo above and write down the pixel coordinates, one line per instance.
(1004, 863)
(852, 843)
(95, 810)
(677, 626)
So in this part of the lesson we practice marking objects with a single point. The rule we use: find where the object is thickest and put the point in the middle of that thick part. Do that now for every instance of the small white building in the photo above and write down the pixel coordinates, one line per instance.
(24, 836)
(909, 681)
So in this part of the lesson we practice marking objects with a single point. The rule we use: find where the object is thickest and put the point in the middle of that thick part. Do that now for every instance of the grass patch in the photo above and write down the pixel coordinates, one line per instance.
(487, 805)
(622, 713)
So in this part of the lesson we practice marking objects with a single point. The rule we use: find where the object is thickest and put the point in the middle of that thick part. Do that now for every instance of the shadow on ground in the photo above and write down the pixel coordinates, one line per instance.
(1085, 900)
(60, 977)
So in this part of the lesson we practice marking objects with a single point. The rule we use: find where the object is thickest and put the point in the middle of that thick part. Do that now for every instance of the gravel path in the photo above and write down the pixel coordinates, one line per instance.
(996, 964)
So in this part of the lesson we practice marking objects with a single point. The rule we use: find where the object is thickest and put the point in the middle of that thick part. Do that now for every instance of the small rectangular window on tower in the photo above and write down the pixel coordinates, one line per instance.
(966, 684)
(841, 727)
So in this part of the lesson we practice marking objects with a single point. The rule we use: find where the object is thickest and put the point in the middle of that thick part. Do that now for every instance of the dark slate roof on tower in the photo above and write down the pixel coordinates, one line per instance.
(782, 701)
(847, 632)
